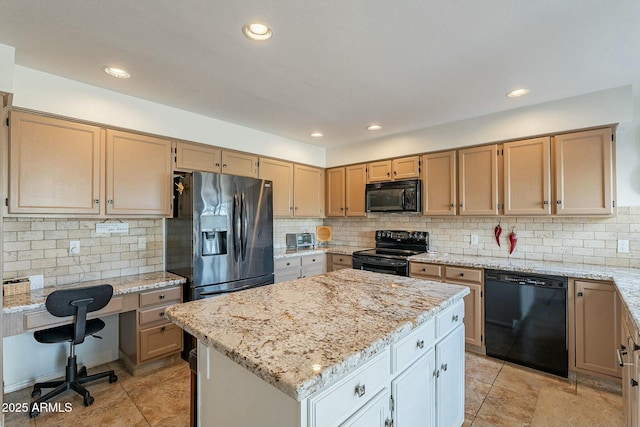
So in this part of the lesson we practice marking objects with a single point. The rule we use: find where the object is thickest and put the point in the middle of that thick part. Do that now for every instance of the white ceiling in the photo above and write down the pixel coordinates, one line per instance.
(334, 66)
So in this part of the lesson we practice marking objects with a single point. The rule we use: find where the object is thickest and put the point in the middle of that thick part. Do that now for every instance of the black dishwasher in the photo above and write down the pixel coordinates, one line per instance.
(526, 320)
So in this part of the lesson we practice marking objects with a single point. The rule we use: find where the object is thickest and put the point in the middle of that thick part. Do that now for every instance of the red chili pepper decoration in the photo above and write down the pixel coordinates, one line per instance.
(497, 232)
(513, 240)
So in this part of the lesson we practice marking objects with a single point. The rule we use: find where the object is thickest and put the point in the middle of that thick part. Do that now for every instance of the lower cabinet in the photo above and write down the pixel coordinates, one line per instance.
(629, 357)
(338, 262)
(297, 267)
(450, 379)
(414, 393)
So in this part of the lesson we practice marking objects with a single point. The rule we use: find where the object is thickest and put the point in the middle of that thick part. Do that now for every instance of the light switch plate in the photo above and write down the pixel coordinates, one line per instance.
(623, 246)
(142, 243)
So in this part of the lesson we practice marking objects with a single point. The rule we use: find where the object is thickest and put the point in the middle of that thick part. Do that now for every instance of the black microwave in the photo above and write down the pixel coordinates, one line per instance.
(394, 196)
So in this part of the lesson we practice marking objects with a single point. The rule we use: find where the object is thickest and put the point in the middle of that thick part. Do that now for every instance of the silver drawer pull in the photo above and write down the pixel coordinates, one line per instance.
(444, 367)
(454, 318)
(162, 314)
(360, 390)
(161, 296)
(420, 344)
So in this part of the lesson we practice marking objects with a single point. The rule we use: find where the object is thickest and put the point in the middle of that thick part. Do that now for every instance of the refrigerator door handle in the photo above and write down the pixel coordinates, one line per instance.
(243, 226)
(236, 226)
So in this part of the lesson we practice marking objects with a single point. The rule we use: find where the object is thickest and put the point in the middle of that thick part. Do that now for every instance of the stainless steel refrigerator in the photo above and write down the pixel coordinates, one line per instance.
(221, 234)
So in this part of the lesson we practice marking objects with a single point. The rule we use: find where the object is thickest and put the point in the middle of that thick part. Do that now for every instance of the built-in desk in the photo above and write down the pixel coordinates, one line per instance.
(139, 300)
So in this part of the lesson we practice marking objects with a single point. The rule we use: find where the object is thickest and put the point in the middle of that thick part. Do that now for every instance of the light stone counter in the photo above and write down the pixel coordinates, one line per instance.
(279, 253)
(627, 280)
(34, 300)
(304, 334)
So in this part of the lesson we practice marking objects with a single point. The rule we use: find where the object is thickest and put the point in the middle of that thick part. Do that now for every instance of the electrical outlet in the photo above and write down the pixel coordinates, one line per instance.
(474, 239)
(142, 243)
(623, 246)
(74, 247)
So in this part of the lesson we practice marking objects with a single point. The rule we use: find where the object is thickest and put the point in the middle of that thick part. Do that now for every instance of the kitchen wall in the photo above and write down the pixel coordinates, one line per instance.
(575, 240)
(282, 226)
(34, 246)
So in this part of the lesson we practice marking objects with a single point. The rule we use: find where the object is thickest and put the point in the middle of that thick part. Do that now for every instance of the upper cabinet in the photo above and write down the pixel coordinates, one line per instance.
(527, 177)
(281, 174)
(138, 174)
(55, 166)
(584, 173)
(241, 164)
(439, 183)
(308, 191)
(67, 168)
(478, 180)
(197, 157)
(345, 190)
(396, 169)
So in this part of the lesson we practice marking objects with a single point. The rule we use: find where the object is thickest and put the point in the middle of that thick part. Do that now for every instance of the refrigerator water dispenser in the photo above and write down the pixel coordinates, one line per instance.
(213, 234)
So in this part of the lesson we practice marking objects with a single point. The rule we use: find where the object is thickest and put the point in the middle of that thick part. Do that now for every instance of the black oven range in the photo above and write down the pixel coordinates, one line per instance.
(393, 248)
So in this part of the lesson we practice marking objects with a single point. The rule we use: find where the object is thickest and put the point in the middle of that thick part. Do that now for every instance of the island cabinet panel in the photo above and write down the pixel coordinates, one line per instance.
(450, 379)
(55, 166)
(375, 413)
(414, 393)
(527, 177)
(281, 174)
(439, 184)
(584, 173)
(478, 180)
(198, 157)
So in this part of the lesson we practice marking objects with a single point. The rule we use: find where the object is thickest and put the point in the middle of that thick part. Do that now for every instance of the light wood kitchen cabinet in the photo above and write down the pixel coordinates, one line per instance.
(55, 166)
(584, 173)
(281, 174)
(597, 327)
(396, 169)
(197, 157)
(346, 191)
(240, 164)
(439, 183)
(527, 177)
(473, 278)
(338, 262)
(308, 191)
(138, 174)
(629, 355)
(478, 180)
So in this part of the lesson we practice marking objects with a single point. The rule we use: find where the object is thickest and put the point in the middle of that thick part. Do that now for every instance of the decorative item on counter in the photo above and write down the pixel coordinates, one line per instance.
(16, 286)
(497, 232)
(323, 234)
(513, 240)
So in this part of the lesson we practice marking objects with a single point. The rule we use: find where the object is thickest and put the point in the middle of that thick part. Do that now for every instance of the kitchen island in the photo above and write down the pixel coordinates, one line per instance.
(348, 347)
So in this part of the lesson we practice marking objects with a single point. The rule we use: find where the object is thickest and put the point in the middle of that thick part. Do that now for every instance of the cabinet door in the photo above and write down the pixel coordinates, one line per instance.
(597, 327)
(356, 181)
(241, 164)
(413, 393)
(336, 192)
(281, 173)
(478, 180)
(374, 413)
(439, 183)
(527, 177)
(198, 157)
(55, 166)
(379, 171)
(138, 174)
(584, 173)
(450, 379)
(473, 319)
(308, 191)
(406, 168)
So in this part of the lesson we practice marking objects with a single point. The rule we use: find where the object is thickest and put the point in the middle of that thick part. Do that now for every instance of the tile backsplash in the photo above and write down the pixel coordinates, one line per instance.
(576, 240)
(34, 246)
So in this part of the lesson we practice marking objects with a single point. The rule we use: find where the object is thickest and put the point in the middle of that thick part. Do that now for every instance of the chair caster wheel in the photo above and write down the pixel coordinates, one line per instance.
(34, 413)
(82, 372)
(113, 379)
(36, 393)
(88, 401)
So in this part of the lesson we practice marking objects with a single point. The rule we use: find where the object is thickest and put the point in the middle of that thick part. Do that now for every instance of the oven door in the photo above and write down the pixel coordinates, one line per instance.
(399, 267)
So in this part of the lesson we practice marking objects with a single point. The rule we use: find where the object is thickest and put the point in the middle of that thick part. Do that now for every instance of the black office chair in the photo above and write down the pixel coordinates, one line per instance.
(73, 302)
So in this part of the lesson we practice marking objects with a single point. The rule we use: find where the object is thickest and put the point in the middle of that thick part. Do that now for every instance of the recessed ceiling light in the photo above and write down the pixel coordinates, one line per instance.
(116, 72)
(517, 92)
(317, 134)
(374, 127)
(257, 31)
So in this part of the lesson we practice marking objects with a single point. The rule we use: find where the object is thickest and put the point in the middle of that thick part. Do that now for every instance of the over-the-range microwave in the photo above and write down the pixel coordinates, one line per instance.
(394, 196)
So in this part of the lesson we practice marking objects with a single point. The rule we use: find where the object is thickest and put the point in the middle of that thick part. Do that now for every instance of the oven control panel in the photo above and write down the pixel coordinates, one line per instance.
(401, 236)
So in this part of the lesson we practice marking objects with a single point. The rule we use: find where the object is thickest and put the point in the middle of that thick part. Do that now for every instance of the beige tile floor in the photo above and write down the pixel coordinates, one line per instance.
(498, 394)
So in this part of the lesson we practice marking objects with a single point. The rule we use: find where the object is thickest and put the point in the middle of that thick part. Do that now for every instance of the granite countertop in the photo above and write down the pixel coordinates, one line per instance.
(627, 280)
(304, 334)
(35, 299)
(342, 250)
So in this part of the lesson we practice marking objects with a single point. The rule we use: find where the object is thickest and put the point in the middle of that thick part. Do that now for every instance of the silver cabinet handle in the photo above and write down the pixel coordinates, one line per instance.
(161, 296)
(454, 318)
(634, 383)
(96, 201)
(420, 344)
(360, 390)
(444, 367)
(162, 314)
(110, 201)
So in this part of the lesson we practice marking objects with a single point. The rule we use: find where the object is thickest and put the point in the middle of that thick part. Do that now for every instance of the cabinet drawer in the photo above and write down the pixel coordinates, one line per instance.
(414, 345)
(337, 402)
(42, 319)
(160, 341)
(311, 260)
(342, 260)
(312, 270)
(284, 263)
(462, 274)
(161, 296)
(425, 270)
(449, 319)
(153, 315)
